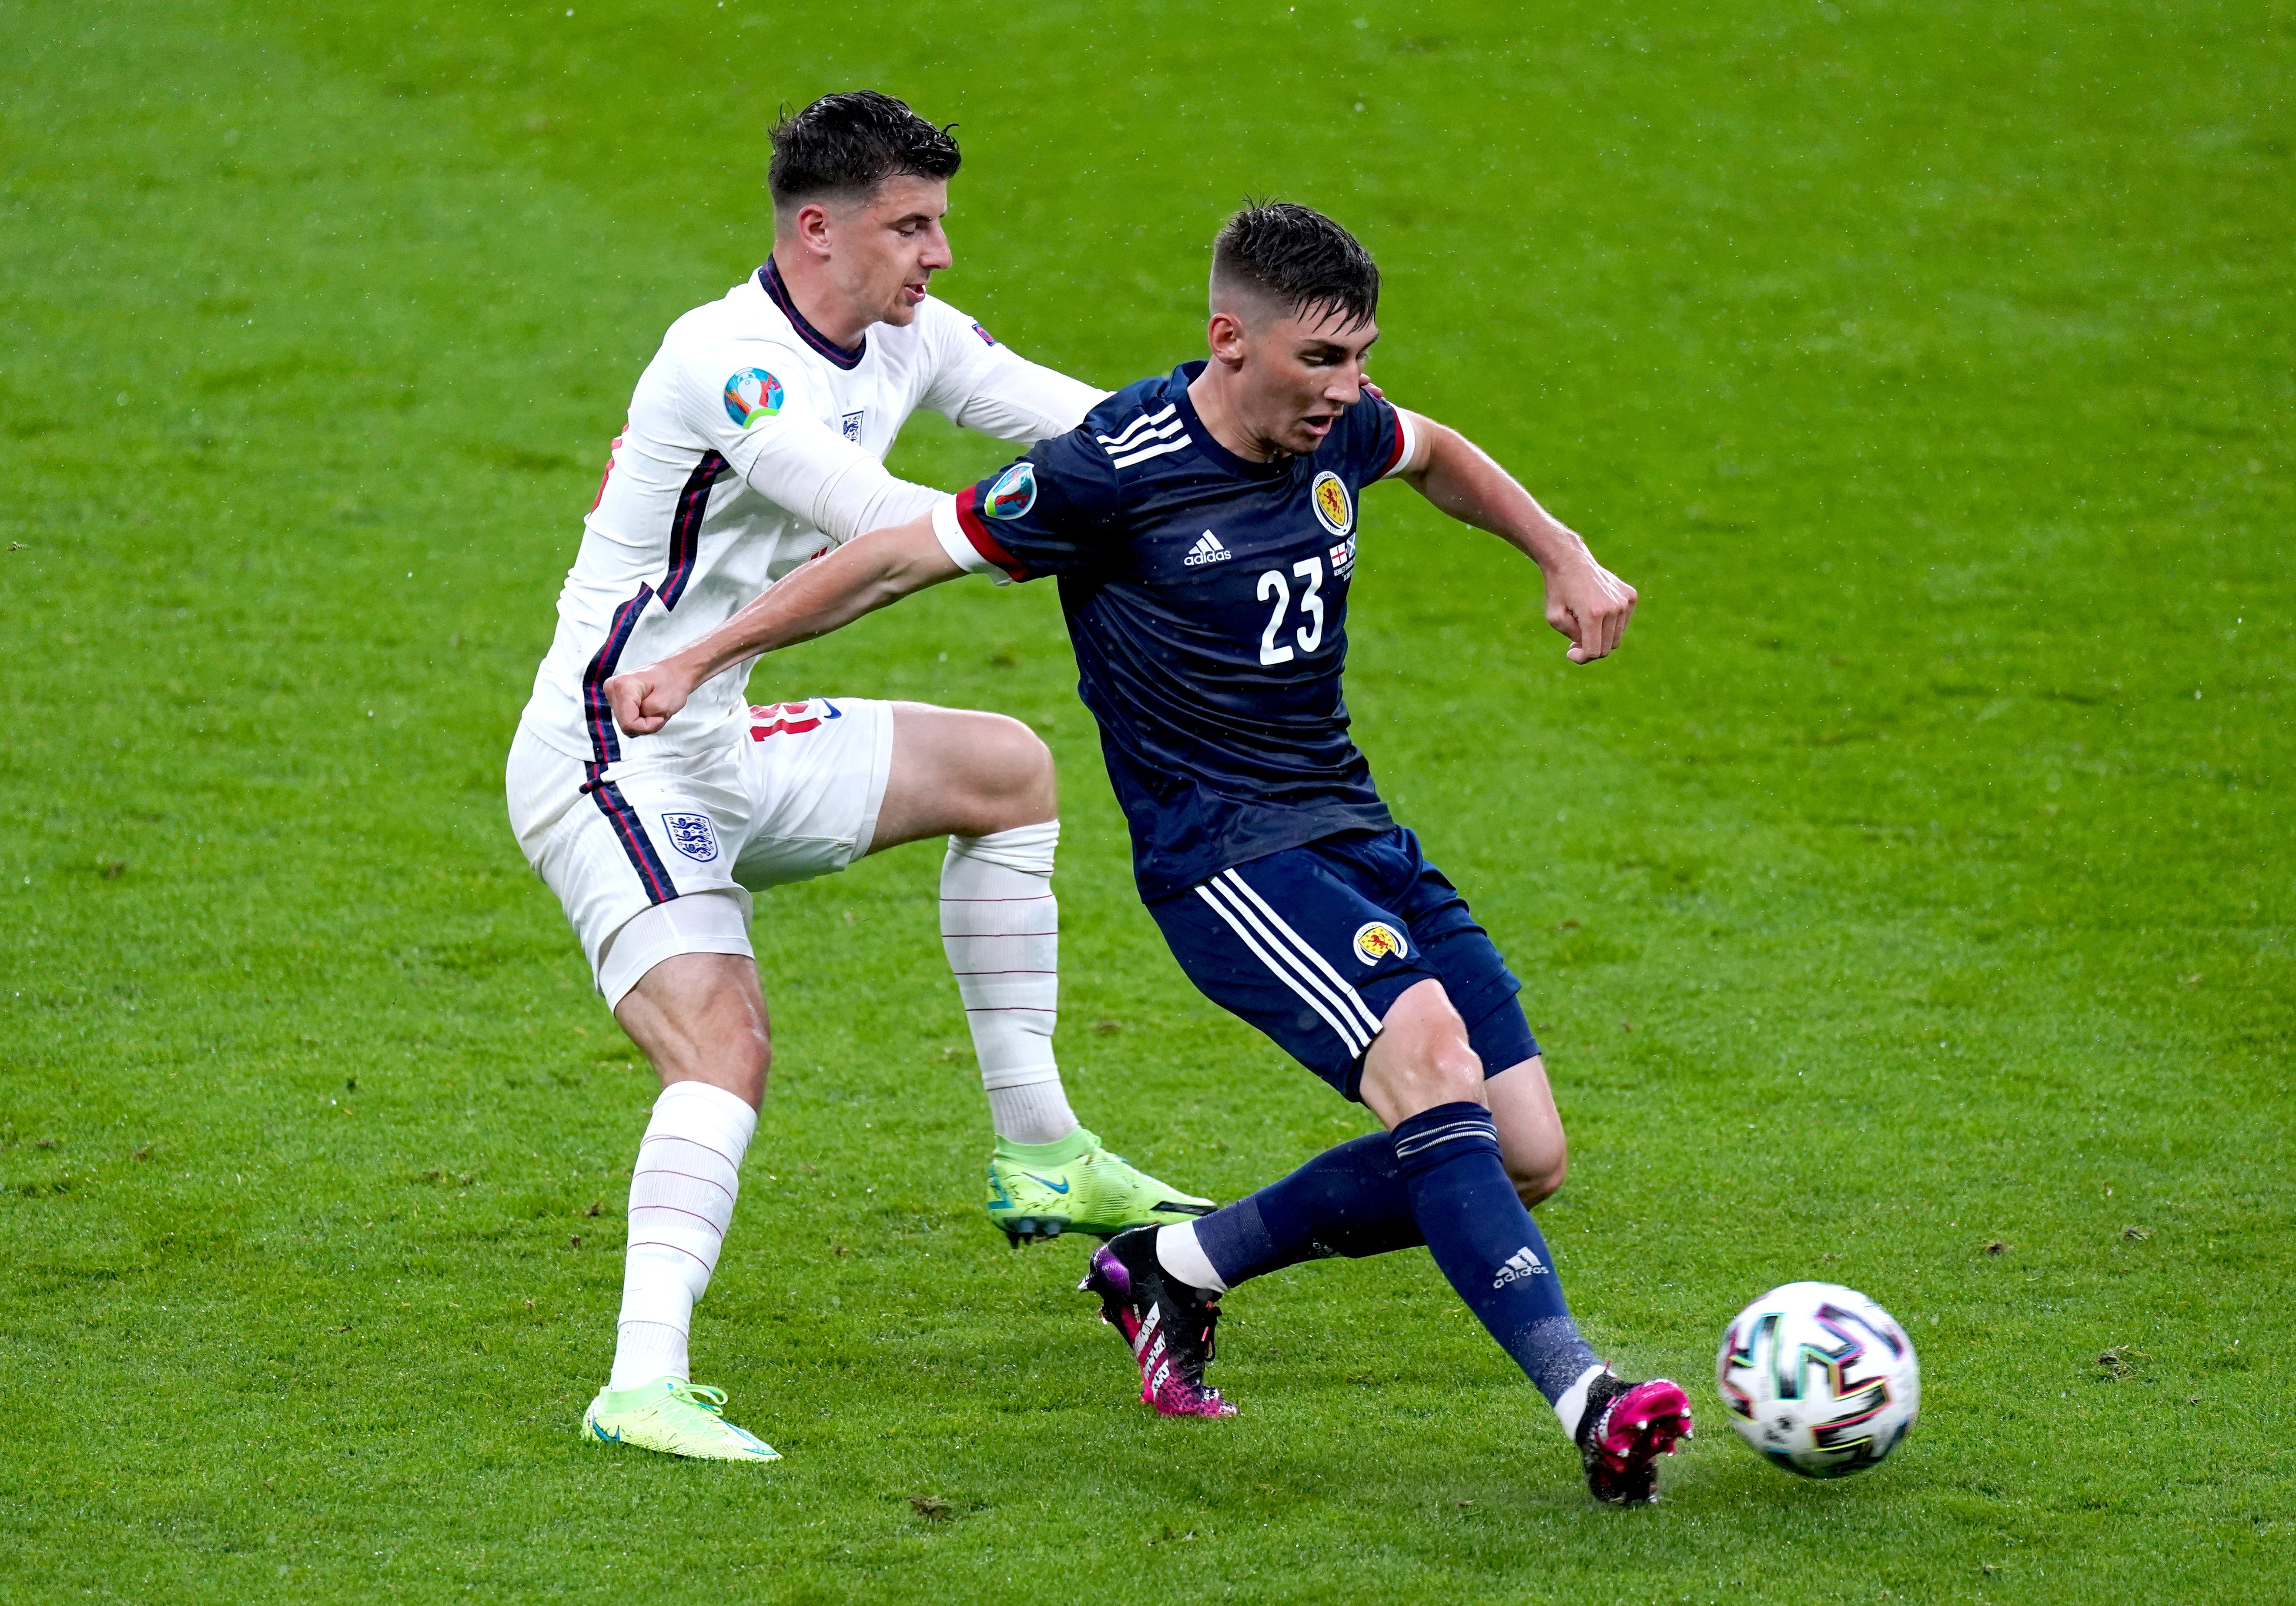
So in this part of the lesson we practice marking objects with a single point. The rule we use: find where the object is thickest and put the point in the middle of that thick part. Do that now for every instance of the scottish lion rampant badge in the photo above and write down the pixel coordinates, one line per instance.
(1375, 941)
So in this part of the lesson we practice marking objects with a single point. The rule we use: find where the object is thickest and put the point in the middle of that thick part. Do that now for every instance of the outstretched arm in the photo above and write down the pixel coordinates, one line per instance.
(1018, 400)
(1585, 601)
(860, 577)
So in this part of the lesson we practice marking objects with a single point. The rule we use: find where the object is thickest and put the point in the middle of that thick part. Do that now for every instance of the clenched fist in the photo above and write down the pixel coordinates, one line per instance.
(1588, 603)
(644, 699)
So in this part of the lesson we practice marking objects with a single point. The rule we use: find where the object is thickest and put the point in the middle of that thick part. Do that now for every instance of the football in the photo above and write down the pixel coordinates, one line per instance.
(1819, 1379)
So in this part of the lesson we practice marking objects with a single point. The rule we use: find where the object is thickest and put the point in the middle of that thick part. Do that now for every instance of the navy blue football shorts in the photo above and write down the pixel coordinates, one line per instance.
(1314, 945)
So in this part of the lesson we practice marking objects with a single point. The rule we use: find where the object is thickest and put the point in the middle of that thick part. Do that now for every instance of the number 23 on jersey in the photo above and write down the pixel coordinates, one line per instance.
(1277, 589)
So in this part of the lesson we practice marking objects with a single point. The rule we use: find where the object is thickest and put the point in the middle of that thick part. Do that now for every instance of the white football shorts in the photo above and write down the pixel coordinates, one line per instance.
(684, 840)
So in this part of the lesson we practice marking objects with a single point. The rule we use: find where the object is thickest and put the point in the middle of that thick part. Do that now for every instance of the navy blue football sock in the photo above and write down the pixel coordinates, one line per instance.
(1350, 1201)
(1486, 1244)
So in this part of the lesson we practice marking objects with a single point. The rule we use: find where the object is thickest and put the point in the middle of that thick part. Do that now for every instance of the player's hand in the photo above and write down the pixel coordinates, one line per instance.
(1592, 606)
(644, 699)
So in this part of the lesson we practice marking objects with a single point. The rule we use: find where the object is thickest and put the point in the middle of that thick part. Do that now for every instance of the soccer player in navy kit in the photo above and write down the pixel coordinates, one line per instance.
(1203, 528)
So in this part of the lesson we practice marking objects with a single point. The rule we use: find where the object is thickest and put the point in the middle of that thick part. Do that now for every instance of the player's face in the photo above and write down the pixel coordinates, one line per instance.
(884, 250)
(1299, 372)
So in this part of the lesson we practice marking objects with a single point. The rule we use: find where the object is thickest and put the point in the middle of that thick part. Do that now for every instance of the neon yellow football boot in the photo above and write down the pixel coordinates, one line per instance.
(675, 1417)
(1074, 1185)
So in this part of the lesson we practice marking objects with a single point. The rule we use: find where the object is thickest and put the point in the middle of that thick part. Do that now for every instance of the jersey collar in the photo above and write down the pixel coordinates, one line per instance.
(1242, 467)
(769, 280)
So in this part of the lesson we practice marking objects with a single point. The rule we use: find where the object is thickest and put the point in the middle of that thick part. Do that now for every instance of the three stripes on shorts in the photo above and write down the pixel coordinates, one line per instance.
(1292, 961)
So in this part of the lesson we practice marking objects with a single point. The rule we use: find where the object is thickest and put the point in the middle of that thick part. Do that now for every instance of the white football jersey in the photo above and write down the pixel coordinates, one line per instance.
(754, 445)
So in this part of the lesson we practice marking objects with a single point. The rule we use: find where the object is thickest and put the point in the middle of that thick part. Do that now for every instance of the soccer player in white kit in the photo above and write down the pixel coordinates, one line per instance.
(756, 442)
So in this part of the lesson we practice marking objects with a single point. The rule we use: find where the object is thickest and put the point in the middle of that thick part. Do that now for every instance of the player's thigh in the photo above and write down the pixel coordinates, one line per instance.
(814, 777)
(1456, 948)
(1290, 944)
(963, 772)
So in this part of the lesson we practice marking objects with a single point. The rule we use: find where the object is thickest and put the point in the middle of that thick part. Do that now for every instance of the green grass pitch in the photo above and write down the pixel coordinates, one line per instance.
(1908, 905)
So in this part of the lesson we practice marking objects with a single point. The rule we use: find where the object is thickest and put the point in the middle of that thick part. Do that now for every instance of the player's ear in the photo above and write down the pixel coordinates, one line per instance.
(1226, 335)
(811, 225)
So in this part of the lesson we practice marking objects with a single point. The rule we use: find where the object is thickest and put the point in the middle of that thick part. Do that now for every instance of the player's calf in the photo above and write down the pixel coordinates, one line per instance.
(701, 1018)
(1531, 1142)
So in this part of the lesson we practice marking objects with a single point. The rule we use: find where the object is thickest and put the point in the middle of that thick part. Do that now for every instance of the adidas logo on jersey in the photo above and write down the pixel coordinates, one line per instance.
(1207, 550)
(1522, 1263)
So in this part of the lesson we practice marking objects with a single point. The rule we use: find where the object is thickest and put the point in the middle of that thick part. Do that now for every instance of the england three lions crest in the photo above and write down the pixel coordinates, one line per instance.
(691, 835)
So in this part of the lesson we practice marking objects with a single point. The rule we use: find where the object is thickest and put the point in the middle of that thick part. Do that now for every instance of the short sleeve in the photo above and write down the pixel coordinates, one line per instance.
(1053, 512)
(1378, 441)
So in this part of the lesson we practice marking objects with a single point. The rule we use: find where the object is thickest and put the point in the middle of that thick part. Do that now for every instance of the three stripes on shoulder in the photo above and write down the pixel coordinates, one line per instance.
(1151, 435)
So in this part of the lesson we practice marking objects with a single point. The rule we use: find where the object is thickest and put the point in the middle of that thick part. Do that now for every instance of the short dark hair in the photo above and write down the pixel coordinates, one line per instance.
(1298, 259)
(847, 144)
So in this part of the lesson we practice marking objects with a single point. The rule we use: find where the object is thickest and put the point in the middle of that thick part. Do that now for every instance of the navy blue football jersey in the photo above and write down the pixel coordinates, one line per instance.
(1207, 601)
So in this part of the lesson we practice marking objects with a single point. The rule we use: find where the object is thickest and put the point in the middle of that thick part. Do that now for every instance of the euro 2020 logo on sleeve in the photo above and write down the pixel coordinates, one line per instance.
(1014, 492)
(1375, 941)
(691, 835)
(753, 395)
(1332, 508)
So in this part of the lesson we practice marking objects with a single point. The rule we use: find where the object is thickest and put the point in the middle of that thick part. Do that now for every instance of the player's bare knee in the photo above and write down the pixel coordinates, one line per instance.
(1458, 1072)
(736, 1055)
(1439, 1074)
(1013, 772)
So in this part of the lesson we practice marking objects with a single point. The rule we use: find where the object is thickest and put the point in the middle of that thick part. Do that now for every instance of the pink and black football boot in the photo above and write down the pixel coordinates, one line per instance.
(1168, 1323)
(1627, 1428)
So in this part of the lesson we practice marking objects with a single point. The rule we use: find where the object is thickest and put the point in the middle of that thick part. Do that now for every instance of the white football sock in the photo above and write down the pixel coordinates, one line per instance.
(1000, 926)
(1179, 1252)
(682, 1196)
(1035, 1113)
(1571, 1405)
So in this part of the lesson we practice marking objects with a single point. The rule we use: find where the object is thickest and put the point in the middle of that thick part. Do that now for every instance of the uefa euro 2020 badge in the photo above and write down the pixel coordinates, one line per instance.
(1013, 494)
(1375, 941)
(691, 835)
(753, 395)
